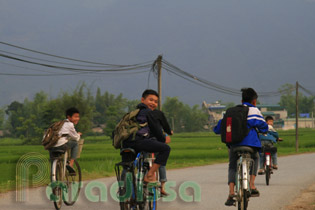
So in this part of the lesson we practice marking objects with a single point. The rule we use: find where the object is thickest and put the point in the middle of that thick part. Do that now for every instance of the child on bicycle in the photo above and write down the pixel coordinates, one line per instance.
(69, 136)
(255, 121)
(150, 138)
(160, 117)
(269, 139)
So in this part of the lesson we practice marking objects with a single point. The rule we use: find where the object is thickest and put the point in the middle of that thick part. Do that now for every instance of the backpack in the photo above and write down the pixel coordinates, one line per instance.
(234, 125)
(51, 135)
(127, 126)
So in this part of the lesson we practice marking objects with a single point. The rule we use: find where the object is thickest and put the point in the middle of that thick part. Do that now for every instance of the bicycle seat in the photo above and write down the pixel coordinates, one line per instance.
(58, 150)
(243, 149)
(125, 150)
(269, 149)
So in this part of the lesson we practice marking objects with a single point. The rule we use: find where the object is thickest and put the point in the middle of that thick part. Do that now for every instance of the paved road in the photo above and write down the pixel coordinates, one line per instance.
(296, 173)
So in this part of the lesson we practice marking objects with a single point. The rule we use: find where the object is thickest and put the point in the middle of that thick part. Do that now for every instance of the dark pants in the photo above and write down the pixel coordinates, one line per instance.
(233, 164)
(152, 146)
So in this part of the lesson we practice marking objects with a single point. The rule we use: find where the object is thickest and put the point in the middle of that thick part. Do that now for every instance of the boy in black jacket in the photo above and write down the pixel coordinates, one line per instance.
(150, 138)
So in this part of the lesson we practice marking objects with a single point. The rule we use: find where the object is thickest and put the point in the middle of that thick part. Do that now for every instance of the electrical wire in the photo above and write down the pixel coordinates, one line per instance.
(76, 69)
(71, 59)
(208, 84)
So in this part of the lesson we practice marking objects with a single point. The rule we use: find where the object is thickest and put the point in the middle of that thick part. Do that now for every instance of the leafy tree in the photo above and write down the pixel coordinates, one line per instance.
(186, 118)
(103, 102)
(14, 111)
(288, 101)
(2, 119)
(132, 104)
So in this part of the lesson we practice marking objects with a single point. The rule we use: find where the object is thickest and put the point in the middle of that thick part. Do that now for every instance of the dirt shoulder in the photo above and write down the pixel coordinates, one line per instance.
(306, 200)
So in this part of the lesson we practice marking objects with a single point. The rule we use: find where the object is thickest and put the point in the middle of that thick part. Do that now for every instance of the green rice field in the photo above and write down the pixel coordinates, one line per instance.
(99, 157)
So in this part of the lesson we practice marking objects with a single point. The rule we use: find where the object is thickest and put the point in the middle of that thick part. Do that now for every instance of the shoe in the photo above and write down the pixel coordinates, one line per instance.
(254, 193)
(261, 172)
(71, 170)
(164, 194)
(275, 167)
(230, 201)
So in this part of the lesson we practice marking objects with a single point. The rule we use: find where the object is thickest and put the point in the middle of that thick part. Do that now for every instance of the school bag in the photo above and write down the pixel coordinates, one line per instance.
(234, 125)
(127, 126)
(51, 135)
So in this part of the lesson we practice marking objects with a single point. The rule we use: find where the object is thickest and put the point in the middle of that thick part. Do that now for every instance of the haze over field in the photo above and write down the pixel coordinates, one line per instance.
(236, 43)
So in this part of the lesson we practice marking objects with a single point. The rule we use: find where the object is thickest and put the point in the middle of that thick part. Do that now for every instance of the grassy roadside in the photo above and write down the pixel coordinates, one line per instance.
(99, 157)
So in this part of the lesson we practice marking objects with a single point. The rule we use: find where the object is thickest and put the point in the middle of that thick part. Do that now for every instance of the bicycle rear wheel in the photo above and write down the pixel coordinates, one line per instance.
(242, 205)
(73, 185)
(268, 171)
(127, 199)
(243, 194)
(56, 180)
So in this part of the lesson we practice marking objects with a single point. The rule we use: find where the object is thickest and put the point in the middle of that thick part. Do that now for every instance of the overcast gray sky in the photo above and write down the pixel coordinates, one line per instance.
(236, 43)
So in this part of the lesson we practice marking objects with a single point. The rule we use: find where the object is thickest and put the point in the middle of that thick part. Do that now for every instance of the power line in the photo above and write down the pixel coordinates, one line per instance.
(58, 74)
(64, 63)
(72, 59)
(307, 91)
(76, 69)
(208, 84)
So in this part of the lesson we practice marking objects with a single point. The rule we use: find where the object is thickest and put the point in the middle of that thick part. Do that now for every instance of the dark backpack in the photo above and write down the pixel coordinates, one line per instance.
(234, 125)
(51, 135)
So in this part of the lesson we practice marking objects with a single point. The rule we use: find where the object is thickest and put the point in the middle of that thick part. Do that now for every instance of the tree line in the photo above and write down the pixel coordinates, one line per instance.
(28, 119)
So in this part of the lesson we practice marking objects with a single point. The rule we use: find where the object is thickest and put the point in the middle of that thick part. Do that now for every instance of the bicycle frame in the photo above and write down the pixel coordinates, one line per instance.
(268, 159)
(243, 162)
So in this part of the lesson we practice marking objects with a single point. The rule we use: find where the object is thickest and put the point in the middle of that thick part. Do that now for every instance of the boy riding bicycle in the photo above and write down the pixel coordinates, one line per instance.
(150, 138)
(269, 139)
(255, 121)
(69, 137)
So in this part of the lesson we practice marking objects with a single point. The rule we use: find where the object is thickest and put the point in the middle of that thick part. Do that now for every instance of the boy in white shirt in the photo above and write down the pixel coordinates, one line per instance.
(69, 136)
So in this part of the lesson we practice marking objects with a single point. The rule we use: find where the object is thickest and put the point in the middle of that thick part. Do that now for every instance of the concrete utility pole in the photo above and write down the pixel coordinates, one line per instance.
(297, 118)
(159, 66)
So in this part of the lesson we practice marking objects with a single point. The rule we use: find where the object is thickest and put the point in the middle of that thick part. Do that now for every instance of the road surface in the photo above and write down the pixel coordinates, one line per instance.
(295, 173)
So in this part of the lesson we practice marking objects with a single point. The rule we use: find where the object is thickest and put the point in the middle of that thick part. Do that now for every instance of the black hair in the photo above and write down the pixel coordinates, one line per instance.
(268, 118)
(149, 92)
(248, 95)
(71, 111)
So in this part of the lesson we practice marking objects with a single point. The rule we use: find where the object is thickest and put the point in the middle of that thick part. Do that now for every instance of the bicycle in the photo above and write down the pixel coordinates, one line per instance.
(242, 187)
(267, 150)
(133, 193)
(65, 186)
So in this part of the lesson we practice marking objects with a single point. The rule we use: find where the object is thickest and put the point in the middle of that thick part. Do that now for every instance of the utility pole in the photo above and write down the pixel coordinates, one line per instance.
(297, 118)
(159, 66)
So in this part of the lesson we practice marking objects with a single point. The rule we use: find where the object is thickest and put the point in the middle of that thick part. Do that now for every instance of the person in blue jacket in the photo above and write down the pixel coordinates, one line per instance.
(255, 121)
(269, 139)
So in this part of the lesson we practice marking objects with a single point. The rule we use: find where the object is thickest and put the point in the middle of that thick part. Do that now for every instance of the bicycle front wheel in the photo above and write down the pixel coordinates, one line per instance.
(56, 180)
(153, 201)
(73, 184)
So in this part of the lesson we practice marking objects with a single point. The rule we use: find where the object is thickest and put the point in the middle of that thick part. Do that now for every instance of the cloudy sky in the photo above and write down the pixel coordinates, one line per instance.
(236, 43)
